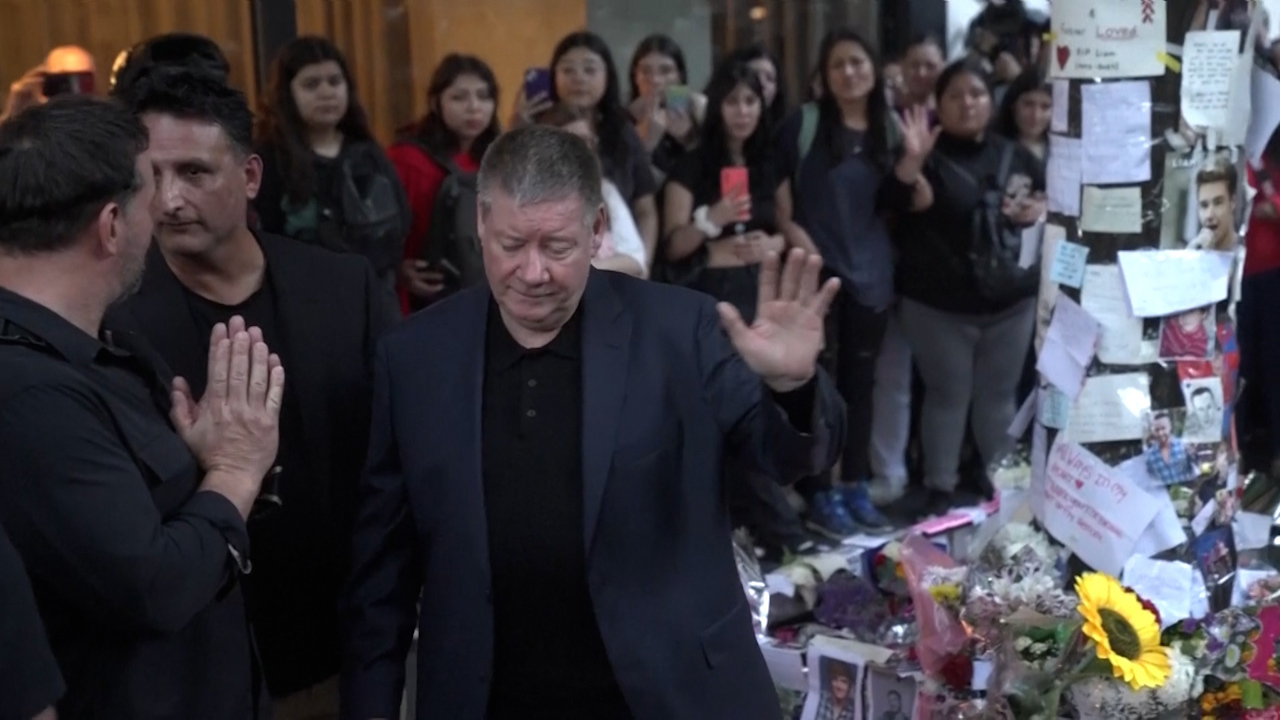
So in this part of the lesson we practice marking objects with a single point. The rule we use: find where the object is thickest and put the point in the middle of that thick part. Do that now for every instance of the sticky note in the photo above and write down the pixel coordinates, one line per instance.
(1068, 264)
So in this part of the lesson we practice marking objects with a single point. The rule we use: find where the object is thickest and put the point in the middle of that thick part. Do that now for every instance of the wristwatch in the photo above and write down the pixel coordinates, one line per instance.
(704, 224)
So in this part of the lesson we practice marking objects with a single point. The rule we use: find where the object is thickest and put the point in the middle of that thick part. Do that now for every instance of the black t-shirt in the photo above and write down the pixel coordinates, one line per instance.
(29, 676)
(272, 590)
(698, 173)
(633, 178)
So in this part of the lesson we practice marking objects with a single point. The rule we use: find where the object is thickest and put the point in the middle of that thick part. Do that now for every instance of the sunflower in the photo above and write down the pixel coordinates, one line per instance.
(1125, 634)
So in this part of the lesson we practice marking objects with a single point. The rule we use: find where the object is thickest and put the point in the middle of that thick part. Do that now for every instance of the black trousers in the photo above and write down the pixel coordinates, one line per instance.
(854, 334)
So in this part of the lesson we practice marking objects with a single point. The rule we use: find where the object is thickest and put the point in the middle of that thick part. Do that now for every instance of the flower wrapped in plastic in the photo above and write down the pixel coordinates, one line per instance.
(753, 585)
(934, 581)
(1114, 639)
(1019, 569)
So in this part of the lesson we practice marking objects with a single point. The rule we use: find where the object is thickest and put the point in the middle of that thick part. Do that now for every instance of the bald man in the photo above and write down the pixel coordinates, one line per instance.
(28, 90)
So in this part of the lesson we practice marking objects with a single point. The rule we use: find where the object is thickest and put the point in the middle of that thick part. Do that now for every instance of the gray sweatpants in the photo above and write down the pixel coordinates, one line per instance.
(970, 364)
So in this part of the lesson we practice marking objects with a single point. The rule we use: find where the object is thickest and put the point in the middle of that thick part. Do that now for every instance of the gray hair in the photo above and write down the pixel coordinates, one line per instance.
(537, 164)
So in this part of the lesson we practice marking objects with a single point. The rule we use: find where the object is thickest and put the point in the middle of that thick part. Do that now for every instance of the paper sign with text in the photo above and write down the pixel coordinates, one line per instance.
(1097, 513)
(1110, 39)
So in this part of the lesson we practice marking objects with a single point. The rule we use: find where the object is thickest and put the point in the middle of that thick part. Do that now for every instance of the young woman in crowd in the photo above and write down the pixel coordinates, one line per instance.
(584, 75)
(726, 237)
(715, 243)
(921, 65)
(840, 204)
(325, 178)
(766, 67)
(622, 249)
(1026, 112)
(892, 398)
(667, 131)
(966, 328)
(461, 122)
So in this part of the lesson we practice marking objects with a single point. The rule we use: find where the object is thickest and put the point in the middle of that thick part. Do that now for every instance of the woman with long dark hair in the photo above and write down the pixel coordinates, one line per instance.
(839, 152)
(766, 67)
(968, 307)
(325, 178)
(584, 75)
(667, 131)
(717, 230)
(1026, 111)
(461, 122)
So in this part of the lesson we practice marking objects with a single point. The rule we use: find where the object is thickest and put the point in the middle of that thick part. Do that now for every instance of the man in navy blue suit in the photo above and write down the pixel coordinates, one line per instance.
(544, 472)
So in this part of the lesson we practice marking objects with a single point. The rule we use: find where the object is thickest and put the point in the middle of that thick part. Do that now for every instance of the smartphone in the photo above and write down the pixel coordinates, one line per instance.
(678, 98)
(537, 82)
(69, 83)
(734, 181)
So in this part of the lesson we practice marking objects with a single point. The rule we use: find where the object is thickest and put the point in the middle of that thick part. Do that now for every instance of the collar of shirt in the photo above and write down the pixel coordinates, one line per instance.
(56, 332)
(503, 351)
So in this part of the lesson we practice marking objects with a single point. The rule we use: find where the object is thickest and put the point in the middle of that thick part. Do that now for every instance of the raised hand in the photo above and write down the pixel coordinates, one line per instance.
(918, 138)
(783, 343)
(234, 428)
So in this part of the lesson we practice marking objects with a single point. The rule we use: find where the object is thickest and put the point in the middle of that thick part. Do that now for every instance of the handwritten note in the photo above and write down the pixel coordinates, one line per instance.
(1096, 512)
(1075, 329)
(1068, 263)
(1209, 59)
(1120, 342)
(1039, 460)
(1115, 122)
(1166, 530)
(1110, 407)
(1115, 210)
(1058, 120)
(1055, 408)
(1062, 175)
(1166, 282)
(1112, 39)
(1167, 584)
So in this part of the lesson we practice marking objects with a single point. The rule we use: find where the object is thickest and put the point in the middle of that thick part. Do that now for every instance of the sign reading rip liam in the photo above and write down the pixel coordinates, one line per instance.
(1098, 513)
(1108, 38)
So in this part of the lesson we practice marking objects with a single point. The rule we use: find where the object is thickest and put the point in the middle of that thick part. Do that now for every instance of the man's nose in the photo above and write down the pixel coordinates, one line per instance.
(532, 269)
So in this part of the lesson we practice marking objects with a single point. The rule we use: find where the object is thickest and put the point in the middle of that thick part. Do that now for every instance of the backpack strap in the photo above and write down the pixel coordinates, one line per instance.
(804, 140)
(1006, 164)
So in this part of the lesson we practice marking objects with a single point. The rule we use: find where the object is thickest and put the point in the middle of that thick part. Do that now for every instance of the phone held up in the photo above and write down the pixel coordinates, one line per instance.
(537, 83)
(68, 83)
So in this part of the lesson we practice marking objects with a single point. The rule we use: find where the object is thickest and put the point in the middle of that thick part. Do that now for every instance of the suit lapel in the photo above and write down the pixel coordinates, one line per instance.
(467, 395)
(606, 342)
(303, 320)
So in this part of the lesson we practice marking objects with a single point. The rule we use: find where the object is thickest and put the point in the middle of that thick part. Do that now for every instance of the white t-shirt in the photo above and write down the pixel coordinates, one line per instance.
(623, 237)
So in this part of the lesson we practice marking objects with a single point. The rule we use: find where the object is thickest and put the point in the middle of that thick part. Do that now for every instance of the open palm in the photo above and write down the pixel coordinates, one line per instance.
(783, 343)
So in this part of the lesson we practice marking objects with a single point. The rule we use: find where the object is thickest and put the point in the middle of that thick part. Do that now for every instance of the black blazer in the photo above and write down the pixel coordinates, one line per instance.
(665, 397)
(329, 310)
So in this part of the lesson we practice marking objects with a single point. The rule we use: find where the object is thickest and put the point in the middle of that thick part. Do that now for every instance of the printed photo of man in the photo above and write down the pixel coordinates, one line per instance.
(1216, 188)
(1166, 456)
(839, 701)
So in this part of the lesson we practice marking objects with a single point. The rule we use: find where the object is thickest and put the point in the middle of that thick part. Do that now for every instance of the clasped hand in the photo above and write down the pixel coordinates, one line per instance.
(782, 344)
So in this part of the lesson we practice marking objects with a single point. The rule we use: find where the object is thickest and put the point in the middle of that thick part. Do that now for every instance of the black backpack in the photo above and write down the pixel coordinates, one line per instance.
(368, 219)
(996, 243)
(452, 244)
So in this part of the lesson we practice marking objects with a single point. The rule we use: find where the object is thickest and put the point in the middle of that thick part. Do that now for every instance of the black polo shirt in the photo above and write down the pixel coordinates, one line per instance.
(549, 658)
(129, 562)
(29, 677)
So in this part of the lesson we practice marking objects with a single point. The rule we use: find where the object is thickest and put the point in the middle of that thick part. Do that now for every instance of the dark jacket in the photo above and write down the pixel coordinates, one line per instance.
(664, 396)
(934, 265)
(330, 311)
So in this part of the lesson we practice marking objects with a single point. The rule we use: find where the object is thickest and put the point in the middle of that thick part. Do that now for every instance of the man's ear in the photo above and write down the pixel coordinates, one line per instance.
(109, 238)
(599, 226)
(252, 176)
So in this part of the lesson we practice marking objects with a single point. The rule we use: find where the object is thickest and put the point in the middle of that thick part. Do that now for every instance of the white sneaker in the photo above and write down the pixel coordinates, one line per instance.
(885, 491)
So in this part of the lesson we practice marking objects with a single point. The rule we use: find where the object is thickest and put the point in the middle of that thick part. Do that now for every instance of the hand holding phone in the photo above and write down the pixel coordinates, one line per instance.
(678, 99)
(537, 84)
(736, 182)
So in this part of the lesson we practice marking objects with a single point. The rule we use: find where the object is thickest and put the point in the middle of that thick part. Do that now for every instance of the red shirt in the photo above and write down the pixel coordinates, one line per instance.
(421, 178)
(1262, 239)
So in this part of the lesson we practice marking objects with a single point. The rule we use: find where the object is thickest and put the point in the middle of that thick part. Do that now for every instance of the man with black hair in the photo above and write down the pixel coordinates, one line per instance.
(322, 310)
(125, 497)
(178, 49)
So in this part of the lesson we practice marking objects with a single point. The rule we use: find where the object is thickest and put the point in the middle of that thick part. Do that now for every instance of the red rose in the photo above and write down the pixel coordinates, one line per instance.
(957, 672)
(1146, 604)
